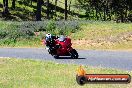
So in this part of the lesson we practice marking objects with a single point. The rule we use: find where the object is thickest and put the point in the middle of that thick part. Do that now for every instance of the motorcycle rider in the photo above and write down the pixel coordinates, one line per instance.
(58, 46)
(50, 42)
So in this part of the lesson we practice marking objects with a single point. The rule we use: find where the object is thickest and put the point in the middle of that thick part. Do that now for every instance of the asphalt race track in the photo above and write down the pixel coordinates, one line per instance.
(107, 59)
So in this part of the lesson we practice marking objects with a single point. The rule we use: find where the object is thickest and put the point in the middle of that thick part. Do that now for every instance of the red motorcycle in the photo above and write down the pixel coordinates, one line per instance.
(61, 47)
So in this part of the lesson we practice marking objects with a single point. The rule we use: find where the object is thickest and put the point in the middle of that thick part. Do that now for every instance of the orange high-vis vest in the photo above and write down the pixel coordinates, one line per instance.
(81, 71)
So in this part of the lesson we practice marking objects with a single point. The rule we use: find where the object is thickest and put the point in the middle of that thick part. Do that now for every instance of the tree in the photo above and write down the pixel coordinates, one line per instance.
(55, 5)
(110, 9)
(70, 5)
(13, 4)
(31, 1)
(38, 13)
(5, 8)
(48, 12)
(119, 7)
(65, 9)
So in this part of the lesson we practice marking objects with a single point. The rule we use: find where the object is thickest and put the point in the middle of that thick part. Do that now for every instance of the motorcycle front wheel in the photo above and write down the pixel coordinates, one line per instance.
(73, 54)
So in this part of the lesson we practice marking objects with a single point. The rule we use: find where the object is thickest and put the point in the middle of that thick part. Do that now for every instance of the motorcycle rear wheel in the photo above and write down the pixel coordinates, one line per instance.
(56, 56)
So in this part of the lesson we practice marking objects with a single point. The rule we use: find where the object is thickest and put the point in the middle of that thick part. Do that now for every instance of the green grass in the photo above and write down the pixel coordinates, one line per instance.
(104, 35)
(22, 43)
(16, 73)
(18, 13)
(29, 11)
(84, 34)
(94, 30)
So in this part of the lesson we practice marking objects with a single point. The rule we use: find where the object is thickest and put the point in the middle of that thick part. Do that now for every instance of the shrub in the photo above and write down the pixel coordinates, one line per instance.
(25, 30)
(3, 34)
(51, 26)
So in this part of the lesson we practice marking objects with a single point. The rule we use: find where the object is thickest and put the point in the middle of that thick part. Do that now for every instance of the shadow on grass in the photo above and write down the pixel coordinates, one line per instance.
(1, 5)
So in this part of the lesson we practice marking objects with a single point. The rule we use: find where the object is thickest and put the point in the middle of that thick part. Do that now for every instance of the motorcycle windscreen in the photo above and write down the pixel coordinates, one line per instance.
(61, 39)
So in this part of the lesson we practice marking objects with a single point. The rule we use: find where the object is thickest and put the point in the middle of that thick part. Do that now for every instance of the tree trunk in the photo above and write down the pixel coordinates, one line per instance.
(97, 18)
(48, 9)
(38, 13)
(70, 6)
(31, 2)
(109, 15)
(55, 6)
(4, 3)
(126, 14)
(13, 4)
(5, 7)
(122, 17)
(104, 13)
(65, 9)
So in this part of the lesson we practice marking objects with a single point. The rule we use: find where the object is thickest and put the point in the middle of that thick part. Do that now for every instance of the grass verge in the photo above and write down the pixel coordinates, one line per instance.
(103, 35)
(16, 73)
(84, 34)
(25, 43)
